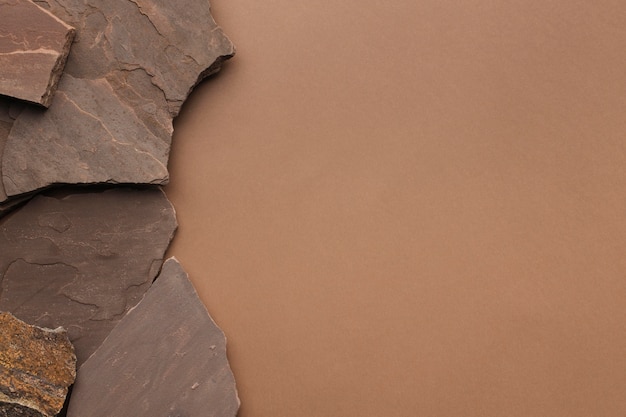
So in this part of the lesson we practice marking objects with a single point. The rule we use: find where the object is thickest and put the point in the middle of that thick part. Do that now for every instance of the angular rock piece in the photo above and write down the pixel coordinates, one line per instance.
(9, 109)
(83, 260)
(132, 65)
(34, 45)
(36, 368)
(165, 358)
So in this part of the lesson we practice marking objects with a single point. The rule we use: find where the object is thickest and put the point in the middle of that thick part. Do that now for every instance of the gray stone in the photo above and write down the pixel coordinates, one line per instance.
(165, 358)
(132, 65)
(37, 366)
(83, 259)
(34, 45)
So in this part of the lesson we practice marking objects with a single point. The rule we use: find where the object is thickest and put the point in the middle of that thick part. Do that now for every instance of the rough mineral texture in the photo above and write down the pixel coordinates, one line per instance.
(82, 260)
(166, 357)
(36, 368)
(34, 45)
(133, 63)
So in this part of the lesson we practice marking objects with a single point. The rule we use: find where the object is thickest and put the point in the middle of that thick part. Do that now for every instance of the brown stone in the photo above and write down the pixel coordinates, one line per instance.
(36, 368)
(82, 260)
(8, 112)
(34, 45)
(166, 357)
(132, 65)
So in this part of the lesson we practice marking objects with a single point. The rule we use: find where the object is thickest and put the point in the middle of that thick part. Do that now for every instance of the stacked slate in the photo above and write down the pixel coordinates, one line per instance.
(84, 225)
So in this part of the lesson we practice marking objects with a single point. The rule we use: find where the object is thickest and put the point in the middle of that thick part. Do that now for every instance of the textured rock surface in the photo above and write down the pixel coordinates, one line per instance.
(166, 357)
(36, 368)
(9, 109)
(132, 65)
(82, 260)
(34, 45)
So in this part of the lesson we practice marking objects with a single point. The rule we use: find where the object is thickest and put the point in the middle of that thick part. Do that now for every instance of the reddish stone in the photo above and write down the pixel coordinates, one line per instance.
(81, 259)
(166, 357)
(132, 66)
(34, 45)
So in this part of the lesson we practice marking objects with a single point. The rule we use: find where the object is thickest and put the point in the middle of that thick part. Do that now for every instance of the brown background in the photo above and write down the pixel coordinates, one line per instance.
(413, 208)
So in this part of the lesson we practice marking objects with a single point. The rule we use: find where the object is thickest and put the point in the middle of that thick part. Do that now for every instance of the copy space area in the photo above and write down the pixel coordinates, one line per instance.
(413, 208)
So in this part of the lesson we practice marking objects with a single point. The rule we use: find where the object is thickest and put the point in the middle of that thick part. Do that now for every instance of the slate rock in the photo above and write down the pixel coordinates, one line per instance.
(9, 110)
(132, 65)
(82, 260)
(166, 357)
(34, 45)
(36, 368)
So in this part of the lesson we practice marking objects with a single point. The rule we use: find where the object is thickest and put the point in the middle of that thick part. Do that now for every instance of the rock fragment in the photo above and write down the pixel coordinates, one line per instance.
(82, 260)
(9, 110)
(132, 65)
(36, 368)
(34, 45)
(166, 357)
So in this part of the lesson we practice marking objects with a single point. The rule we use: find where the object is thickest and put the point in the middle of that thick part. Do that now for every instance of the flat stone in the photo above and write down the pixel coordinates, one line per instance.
(132, 65)
(34, 45)
(9, 109)
(36, 368)
(166, 357)
(81, 260)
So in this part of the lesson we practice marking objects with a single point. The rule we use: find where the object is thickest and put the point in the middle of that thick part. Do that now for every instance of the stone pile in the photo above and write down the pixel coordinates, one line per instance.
(84, 259)
(131, 66)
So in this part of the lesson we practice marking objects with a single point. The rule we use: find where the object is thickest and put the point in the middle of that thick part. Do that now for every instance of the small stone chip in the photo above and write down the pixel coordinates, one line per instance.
(36, 368)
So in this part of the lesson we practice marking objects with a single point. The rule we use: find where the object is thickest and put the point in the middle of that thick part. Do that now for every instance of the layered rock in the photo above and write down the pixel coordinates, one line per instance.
(83, 259)
(36, 368)
(166, 357)
(132, 65)
(34, 45)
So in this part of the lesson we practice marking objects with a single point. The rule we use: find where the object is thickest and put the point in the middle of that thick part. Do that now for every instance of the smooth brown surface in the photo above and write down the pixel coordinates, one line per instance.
(36, 368)
(413, 208)
(166, 357)
(34, 45)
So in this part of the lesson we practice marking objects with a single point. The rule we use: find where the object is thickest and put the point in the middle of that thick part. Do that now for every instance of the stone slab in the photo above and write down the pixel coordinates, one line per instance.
(9, 109)
(82, 259)
(132, 65)
(37, 366)
(166, 357)
(34, 45)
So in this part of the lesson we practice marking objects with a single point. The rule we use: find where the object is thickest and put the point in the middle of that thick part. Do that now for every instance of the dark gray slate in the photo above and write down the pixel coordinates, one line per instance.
(132, 64)
(81, 261)
(165, 358)
(33, 48)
